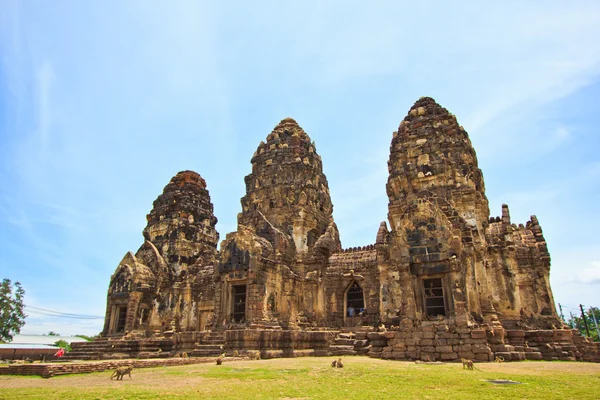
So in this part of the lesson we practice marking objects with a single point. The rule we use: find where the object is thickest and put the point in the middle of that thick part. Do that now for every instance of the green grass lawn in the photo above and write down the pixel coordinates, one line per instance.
(313, 378)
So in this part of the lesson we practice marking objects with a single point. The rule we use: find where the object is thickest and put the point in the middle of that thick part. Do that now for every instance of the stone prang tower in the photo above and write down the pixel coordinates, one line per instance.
(442, 281)
(162, 287)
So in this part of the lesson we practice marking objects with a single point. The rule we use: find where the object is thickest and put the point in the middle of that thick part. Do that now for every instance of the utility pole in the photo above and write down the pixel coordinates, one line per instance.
(561, 313)
(572, 324)
(595, 322)
(584, 320)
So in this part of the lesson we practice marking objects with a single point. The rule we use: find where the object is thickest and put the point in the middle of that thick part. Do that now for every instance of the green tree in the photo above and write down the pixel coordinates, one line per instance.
(12, 317)
(65, 345)
(577, 323)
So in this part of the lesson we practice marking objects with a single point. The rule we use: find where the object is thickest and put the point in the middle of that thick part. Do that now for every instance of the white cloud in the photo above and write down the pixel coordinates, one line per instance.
(45, 78)
(590, 275)
(562, 133)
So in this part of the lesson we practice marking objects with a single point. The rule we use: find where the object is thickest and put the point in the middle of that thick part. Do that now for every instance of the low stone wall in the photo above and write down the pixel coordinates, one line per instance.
(50, 370)
(588, 350)
(281, 343)
(553, 344)
(440, 342)
(432, 342)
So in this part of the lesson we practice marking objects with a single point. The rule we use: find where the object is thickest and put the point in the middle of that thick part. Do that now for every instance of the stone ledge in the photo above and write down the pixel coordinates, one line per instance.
(50, 370)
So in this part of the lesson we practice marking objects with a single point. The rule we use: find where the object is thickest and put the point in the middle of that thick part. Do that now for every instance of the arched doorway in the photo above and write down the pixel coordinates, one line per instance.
(355, 303)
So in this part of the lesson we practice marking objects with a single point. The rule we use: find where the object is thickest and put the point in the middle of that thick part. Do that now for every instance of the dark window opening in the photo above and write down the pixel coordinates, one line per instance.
(355, 301)
(239, 303)
(434, 297)
(145, 315)
(121, 319)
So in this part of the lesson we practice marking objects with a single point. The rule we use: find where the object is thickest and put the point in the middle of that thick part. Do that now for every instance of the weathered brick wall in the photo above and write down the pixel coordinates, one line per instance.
(440, 342)
(50, 370)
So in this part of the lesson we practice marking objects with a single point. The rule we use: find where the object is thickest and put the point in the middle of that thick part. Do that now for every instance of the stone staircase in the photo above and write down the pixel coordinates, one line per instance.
(213, 344)
(106, 349)
(516, 339)
(349, 343)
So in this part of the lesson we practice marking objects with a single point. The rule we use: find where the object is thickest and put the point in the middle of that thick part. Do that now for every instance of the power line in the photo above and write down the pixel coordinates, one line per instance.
(64, 316)
(52, 313)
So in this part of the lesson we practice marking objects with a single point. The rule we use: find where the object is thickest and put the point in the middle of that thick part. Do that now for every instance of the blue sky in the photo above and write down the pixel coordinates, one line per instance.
(101, 103)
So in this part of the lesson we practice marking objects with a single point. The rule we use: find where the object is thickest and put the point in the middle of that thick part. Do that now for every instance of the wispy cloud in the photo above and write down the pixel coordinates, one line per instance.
(590, 275)
(45, 78)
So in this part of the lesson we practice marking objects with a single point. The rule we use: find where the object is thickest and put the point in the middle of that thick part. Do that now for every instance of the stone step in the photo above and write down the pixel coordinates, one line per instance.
(205, 353)
(511, 355)
(213, 341)
(341, 350)
(348, 335)
(76, 355)
(214, 335)
(209, 347)
(343, 353)
(344, 342)
(533, 355)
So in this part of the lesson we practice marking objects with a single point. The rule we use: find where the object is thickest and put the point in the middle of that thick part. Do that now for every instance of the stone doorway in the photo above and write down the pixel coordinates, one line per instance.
(355, 304)
(239, 303)
(203, 319)
(435, 303)
(120, 321)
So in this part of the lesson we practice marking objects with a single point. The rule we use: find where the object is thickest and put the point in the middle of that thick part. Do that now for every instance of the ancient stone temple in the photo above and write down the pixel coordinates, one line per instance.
(442, 281)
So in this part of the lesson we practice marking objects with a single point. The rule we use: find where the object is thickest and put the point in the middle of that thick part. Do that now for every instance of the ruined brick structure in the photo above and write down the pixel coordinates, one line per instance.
(444, 281)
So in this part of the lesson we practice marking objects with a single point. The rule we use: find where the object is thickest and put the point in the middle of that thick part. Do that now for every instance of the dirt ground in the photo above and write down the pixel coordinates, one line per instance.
(193, 374)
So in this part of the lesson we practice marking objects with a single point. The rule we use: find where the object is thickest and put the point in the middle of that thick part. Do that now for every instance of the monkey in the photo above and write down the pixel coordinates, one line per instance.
(467, 363)
(499, 359)
(183, 354)
(334, 363)
(121, 372)
(339, 363)
(236, 353)
(220, 359)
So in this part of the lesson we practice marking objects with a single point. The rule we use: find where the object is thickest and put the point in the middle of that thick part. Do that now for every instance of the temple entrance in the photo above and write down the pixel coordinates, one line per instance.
(121, 319)
(434, 297)
(239, 303)
(355, 304)
(202, 319)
